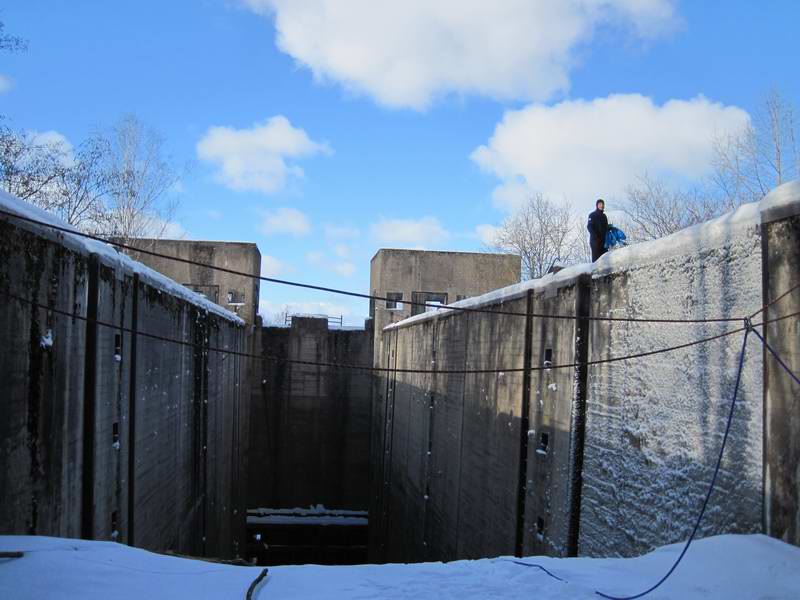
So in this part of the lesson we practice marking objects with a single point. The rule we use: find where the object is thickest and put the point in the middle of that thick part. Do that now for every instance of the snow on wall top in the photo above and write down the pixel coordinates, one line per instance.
(109, 254)
(784, 199)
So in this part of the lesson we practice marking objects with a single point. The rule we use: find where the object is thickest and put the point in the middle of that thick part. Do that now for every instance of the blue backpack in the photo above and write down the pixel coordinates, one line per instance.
(614, 237)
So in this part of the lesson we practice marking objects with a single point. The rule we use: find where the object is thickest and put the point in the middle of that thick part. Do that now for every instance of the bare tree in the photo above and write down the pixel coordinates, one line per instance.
(653, 209)
(543, 233)
(80, 186)
(138, 178)
(749, 163)
(11, 43)
(29, 166)
(114, 184)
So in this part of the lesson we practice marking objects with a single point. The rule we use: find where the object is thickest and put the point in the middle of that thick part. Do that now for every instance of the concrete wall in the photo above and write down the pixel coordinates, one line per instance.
(480, 464)
(632, 444)
(107, 435)
(654, 424)
(781, 243)
(310, 424)
(453, 273)
(237, 256)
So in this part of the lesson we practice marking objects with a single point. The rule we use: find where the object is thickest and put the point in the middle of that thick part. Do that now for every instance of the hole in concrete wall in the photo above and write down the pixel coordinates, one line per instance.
(433, 299)
(544, 443)
(539, 527)
(394, 300)
(118, 344)
(548, 357)
(115, 435)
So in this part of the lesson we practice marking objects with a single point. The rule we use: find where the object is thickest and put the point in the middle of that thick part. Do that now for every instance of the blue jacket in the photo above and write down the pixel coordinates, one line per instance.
(614, 237)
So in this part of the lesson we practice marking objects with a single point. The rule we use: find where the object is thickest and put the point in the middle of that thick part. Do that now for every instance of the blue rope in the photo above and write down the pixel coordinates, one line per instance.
(749, 328)
(710, 487)
(778, 358)
(524, 564)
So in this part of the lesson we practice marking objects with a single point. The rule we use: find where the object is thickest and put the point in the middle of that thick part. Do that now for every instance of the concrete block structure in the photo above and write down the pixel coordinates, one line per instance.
(235, 293)
(561, 448)
(780, 243)
(435, 277)
(109, 431)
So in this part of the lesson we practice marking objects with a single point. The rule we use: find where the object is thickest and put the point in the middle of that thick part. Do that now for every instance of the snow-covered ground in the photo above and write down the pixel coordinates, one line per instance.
(728, 566)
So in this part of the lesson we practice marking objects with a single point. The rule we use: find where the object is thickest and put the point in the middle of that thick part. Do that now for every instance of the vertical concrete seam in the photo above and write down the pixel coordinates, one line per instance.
(524, 425)
(89, 400)
(132, 413)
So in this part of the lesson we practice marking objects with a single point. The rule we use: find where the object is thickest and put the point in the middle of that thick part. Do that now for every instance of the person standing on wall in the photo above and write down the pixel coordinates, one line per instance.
(598, 228)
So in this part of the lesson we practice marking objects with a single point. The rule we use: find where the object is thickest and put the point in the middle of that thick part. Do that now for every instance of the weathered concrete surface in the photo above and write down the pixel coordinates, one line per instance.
(655, 424)
(70, 406)
(641, 448)
(310, 424)
(455, 274)
(214, 284)
(781, 239)
(479, 464)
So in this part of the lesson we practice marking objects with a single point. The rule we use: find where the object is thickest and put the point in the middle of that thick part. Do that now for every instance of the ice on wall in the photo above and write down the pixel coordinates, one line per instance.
(655, 424)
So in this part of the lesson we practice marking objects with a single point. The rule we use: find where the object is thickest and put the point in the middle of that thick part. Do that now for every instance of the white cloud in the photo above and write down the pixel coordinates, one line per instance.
(581, 150)
(272, 267)
(315, 258)
(257, 159)
(285, 220)
(426, 232)
(408, 53)
(169, 230)
(341, 232)
(345, 269)
(487, 234)
(6, 84)
(341, 250)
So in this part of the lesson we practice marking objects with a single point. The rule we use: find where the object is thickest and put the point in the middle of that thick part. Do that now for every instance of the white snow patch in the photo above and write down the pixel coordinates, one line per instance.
(727, 566)
(46, 341)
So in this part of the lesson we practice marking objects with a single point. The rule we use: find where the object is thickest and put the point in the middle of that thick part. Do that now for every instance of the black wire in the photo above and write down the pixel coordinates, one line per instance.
(776, 300)
(281, 359)
(778, 358)
(357, 294)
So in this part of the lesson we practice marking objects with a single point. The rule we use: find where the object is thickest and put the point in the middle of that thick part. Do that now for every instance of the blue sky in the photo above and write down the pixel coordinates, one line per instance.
(324, 130)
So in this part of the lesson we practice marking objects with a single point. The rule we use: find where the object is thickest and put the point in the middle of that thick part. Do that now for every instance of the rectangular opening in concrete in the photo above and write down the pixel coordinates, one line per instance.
(544, 443)
(540, 527)
(548, 357)
(394, 300)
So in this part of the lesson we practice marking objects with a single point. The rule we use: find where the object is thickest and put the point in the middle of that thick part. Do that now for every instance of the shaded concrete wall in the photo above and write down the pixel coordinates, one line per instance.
(781, 243)
(635, 465)
(107, 435)
(310, 424)
(479, 464)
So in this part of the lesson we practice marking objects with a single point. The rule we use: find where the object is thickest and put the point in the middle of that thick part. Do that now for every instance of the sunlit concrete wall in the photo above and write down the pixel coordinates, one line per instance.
(636, 441)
